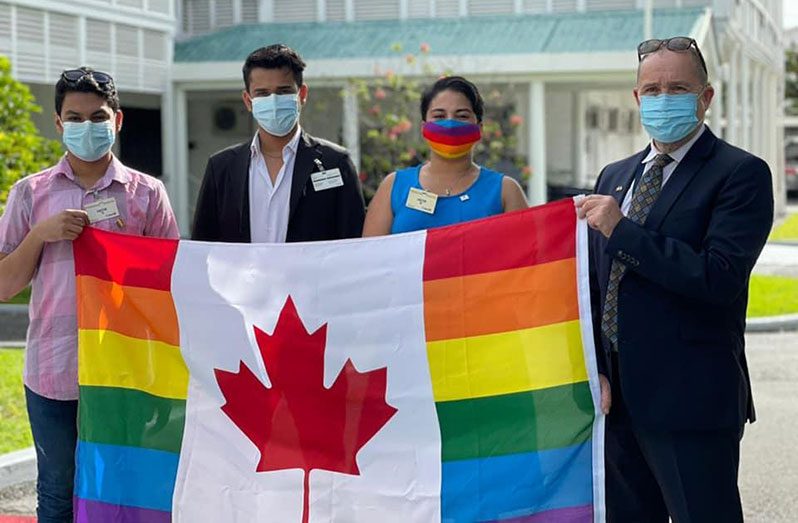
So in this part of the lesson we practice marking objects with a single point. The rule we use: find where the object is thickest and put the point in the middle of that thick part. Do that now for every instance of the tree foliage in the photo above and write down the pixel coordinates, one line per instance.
(22, 150)
(390, 124)
(791, 81)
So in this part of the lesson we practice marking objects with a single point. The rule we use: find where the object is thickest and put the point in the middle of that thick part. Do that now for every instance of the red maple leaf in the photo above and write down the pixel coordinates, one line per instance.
(297, 423)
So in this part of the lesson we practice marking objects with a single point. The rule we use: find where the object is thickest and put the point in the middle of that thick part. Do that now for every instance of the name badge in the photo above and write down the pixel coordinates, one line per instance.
(328, 179)
(422, 200)
(102, 210)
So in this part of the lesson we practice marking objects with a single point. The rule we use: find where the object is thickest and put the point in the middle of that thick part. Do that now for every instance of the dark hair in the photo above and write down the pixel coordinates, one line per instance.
(276, 56)
(87, 84)
(453, 83)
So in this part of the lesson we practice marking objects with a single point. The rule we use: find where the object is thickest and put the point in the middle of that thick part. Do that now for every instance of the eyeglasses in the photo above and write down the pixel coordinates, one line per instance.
(678, 44)
(73, 76)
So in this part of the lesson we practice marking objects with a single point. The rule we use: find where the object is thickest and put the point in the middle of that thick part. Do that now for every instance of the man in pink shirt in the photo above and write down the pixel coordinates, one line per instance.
(44, 213)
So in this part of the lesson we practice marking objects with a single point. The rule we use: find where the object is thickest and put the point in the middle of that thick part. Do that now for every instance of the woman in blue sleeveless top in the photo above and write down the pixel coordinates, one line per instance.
(450, 187)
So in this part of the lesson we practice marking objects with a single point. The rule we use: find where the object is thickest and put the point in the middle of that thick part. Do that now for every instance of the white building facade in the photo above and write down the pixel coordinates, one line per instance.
(567, 66)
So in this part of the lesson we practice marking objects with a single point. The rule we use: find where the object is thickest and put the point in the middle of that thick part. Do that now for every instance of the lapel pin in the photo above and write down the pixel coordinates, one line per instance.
(464, 198)
(619, 188)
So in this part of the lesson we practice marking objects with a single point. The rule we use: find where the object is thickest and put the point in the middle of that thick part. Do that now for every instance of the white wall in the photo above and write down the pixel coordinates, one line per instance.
(322, 117)
(606, 143)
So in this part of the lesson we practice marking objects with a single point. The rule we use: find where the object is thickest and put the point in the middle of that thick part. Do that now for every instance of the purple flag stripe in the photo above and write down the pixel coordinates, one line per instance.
(583, 514)
(87, 511)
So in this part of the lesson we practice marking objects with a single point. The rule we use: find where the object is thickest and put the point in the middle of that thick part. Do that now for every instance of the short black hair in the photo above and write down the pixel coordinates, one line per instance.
(275, 56)
(453, 83)
(87, 84)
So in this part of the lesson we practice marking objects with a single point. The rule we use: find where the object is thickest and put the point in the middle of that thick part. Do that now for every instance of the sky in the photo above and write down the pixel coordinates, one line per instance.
(790, 13)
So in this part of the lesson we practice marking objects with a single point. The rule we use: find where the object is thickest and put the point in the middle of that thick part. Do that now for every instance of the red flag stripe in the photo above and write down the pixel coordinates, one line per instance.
(492, 244)
(124, 259)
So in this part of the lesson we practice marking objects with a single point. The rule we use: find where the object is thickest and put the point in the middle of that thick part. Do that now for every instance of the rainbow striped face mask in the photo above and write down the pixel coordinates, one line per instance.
(451, 138)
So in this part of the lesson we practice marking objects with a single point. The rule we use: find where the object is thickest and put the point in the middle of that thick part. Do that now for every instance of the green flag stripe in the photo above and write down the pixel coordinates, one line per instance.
(511, 423)
(131, 418)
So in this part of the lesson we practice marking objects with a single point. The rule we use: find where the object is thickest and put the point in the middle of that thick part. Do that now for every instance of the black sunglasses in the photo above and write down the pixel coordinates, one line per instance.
(73, 76)
(678, 44)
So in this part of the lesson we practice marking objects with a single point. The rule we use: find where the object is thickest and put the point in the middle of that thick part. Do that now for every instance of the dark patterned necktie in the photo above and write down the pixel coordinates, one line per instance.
(643, 199)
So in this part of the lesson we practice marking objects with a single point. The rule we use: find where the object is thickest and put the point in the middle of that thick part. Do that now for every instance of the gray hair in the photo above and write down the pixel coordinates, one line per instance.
(698, 66)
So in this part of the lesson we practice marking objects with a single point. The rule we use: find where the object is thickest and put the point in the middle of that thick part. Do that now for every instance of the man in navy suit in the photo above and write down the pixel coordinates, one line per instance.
(675, 232)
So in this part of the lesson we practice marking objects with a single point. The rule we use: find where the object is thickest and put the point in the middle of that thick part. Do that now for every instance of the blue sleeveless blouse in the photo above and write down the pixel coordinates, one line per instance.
(482, 199)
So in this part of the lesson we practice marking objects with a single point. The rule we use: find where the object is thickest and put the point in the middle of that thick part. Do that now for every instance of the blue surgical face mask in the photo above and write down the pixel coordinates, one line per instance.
(277, 114)
(668, 118)
(89, 141)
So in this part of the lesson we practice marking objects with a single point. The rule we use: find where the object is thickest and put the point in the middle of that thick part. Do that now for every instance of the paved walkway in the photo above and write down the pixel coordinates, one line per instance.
(778, 259)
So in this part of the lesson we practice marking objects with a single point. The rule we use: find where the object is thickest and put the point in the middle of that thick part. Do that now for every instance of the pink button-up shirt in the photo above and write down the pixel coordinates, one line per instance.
(51, 358)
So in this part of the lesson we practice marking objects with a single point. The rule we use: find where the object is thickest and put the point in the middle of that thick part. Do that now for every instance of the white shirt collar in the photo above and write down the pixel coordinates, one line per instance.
(292, 145)
(679, 154)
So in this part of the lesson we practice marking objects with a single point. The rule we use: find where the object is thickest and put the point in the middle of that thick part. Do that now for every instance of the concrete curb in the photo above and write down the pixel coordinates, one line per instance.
(785, 322)
(17, 467)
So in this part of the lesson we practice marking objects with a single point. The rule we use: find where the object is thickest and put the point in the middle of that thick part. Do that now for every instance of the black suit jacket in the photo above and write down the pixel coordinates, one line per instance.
(222, 212)
(682, 302)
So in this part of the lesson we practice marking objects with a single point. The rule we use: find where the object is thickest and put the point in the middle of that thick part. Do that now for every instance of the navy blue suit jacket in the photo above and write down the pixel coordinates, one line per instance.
(683, 300)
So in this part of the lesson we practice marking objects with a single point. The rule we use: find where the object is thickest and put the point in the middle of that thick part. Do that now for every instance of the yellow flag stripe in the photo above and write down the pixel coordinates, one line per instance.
(110, 359)
(516, 361)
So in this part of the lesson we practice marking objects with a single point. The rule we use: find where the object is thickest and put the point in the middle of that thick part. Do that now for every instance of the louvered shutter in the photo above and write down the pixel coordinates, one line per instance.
(127, 56)
(64, 52)
(5, 29)
(447, 8)
(490, 7)
(154, 55)
(336, 10)
(376, 9)
(98, 45)
(30, 43)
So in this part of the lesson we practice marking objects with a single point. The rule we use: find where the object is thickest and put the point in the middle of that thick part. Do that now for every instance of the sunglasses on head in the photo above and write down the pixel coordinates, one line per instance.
(73, 76)
(677, 44)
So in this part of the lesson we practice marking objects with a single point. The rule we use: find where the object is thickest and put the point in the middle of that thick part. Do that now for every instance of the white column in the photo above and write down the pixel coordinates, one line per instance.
(733, 114)
(759, 112)
(536, 190)
(169, 148)
(180, 151)
(717, 109)
(81, 38)
(351, 124)
(580, 134)
(266, 11)
(404, 9)
(778, 146)
(745, 133)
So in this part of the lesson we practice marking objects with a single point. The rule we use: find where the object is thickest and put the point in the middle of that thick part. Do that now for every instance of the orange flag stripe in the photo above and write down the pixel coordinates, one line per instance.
(501, 301)
(136, 312)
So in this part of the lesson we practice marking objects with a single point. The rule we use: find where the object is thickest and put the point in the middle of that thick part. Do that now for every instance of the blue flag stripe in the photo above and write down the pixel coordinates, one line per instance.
(129, 476)
(474, 490)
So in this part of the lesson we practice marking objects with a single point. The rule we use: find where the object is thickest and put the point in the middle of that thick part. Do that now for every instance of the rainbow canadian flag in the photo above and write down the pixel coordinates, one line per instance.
(442, 375)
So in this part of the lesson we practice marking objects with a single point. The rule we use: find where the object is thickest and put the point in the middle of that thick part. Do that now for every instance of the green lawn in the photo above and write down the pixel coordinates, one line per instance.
(22, 297)
(772, 295)
(788, 230)
(14, 428)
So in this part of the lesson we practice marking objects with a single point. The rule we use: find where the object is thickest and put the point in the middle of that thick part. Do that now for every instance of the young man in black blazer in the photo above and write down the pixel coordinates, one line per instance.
(284, 185)
(676, 230)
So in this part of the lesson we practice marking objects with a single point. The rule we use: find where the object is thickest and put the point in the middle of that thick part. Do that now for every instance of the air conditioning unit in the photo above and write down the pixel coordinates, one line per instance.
(231, 118)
